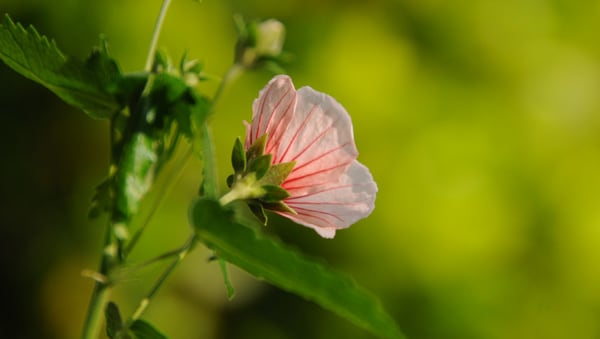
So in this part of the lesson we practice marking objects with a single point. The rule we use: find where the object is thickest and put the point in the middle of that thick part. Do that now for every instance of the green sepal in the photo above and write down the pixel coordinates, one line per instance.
(238, 157)
(230, 180)
(278, 206)
(277, 173)
(257, 148)
(260, 165)
(274, 193)
(259, 212)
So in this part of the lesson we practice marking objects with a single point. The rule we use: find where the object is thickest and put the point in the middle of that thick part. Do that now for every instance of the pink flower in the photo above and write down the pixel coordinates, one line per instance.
(329, 189)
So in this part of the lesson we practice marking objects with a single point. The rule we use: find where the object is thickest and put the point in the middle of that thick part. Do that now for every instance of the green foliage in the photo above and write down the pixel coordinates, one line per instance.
(114, 323)
(274, 193)
(238, 157)
(139, 329)
(257, 148)
(278, 173)
(161, 108)
(260, 165)
(272, 261)
(81, 84)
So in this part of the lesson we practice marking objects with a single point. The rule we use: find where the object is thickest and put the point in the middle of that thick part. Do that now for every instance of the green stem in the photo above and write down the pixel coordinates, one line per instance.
(101, 291)
(232, 74)
(161, 280)
(157, 28)
(102, 287)
(209, 165)
(161, 257)
(210, 182)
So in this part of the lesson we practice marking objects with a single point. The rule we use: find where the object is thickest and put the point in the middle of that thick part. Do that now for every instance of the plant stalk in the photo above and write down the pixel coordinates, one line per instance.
(101, 291)
(157, 28)
(161, 280)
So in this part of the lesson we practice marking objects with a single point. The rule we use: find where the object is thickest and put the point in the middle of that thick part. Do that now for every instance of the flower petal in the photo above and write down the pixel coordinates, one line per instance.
(319, 139)
(271, 112)
(336, 205)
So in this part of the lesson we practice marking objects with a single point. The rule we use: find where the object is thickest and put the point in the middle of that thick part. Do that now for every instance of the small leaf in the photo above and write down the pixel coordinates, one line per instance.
(257, 148)
(230, 180)
(260, 165)
(274, 193)
(258, 211)
(146, 138)
(238, 156)
(143, 330)
(226, 280)
(114, 324)
(271, 260)
(101, 202)
(135, 174)
(80, 84)
(278, 173)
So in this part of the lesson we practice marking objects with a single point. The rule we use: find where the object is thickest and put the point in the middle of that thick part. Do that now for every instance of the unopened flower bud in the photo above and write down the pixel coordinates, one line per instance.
(259, 41)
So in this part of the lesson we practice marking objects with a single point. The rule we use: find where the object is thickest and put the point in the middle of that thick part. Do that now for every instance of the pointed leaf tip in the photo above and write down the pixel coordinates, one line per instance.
(238, 156)
(114, 324)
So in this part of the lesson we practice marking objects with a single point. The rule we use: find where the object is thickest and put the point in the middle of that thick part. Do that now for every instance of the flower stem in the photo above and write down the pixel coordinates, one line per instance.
(232, 74)
(157, 28)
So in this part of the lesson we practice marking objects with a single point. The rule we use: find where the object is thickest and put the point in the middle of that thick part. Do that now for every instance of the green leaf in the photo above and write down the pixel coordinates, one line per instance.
(80, 84)
(143, 330)
(146, 138)
(272, 261)
(238, 156)
(114, 324)
(134, 176)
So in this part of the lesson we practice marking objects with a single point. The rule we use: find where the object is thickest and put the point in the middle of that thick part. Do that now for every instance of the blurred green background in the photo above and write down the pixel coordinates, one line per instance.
(478, 119)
